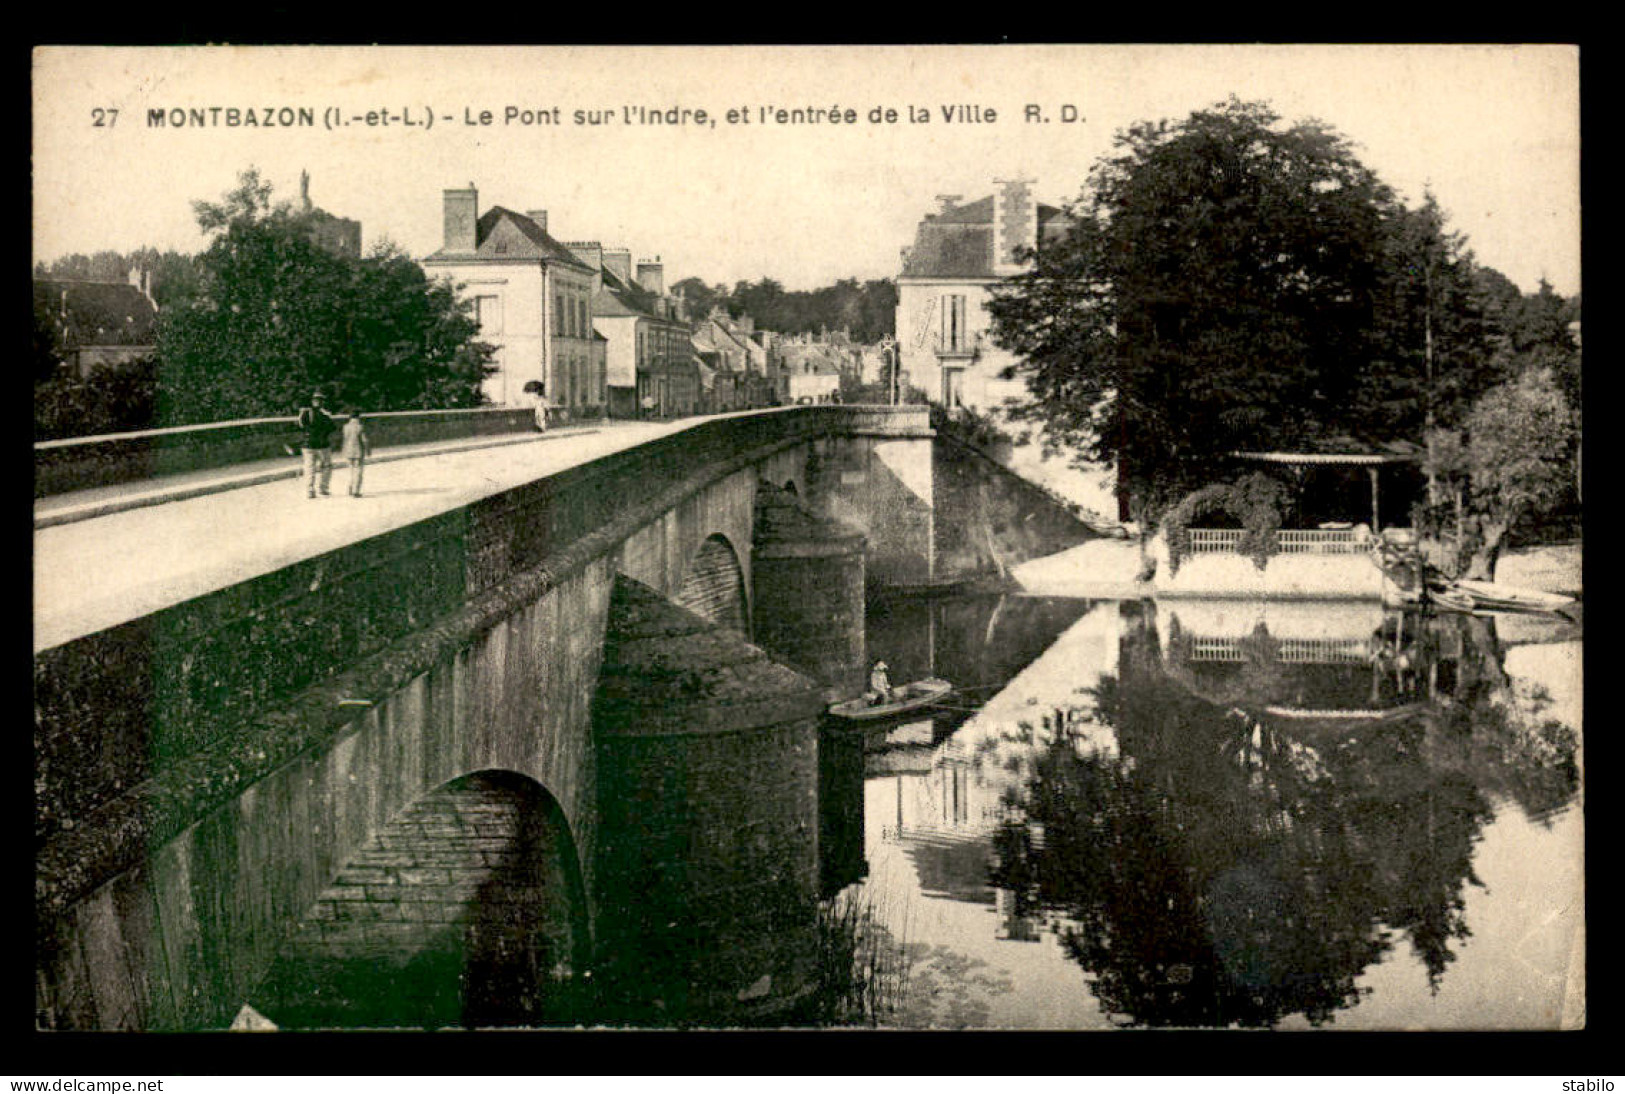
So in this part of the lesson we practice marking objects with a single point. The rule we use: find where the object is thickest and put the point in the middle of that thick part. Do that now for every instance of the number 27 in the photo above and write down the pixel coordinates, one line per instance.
(107, 117)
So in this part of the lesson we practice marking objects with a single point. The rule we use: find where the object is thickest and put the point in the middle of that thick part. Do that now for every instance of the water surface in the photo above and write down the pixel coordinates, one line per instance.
(1222, 814)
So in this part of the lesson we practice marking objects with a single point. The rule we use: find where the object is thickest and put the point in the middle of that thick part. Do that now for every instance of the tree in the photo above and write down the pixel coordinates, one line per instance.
(173, 276)
(1217, 293)
(276, 315)
(700, 297)
(1510, 464)
(1432, 344)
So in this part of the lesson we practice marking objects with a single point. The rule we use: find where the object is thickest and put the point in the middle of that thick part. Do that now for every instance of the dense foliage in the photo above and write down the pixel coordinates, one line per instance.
(1511, 462)
(1237, 283)
(264, 316)
(171, 276)
(278, 315)
(1257, 502)
(1218, 292)
(113, 399)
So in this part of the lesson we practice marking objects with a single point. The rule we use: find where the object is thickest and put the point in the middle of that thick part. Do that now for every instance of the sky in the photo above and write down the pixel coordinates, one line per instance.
(1492, 130)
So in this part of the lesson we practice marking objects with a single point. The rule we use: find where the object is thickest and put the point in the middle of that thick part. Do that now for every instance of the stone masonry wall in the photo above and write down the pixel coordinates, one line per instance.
(989, 519)
(465, 910)
(119, 706)
(708, 872)
(809, 592)
(881, 485)
(187, 921)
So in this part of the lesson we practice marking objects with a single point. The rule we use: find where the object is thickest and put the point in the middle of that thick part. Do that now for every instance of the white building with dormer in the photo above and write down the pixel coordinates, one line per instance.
(960, 253)
(532, 299)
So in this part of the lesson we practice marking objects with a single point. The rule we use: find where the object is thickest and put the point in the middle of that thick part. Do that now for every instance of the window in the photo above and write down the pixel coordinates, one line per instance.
(488, 314)
(953, 322)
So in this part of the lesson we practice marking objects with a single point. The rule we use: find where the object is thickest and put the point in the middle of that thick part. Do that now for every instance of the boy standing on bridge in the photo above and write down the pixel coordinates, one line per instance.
(355, 448)
(318, 427)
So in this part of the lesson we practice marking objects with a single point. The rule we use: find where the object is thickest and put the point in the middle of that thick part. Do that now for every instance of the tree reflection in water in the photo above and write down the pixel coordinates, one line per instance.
(1228, 867)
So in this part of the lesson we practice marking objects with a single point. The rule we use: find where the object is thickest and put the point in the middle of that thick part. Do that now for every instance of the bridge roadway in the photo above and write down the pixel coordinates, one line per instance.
(93, 574)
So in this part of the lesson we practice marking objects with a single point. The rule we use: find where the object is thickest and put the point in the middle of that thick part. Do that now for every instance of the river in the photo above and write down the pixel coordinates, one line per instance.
(1223, 814)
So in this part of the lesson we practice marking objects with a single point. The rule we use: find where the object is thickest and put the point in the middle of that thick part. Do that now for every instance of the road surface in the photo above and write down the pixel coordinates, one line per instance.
(97, 573)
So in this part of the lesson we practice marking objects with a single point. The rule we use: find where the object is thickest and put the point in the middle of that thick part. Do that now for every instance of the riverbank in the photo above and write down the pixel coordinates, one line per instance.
(1552, 569)
(1105, 569)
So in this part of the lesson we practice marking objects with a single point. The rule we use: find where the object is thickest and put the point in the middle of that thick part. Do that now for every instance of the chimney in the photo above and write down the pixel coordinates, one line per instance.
(539, 216)
(592, 253)
(618, 261)
(947, 202)
(462, 219)
(1015, 224)
(652, 276)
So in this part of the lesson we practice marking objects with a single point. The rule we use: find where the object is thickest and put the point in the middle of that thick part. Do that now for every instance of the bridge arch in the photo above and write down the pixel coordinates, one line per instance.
(466, 910)
(713, 586)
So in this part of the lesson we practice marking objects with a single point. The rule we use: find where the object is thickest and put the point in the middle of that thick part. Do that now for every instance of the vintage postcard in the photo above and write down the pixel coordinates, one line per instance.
(948, 537)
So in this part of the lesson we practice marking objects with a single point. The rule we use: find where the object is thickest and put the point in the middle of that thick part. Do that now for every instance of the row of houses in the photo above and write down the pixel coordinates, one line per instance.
(595, 333)
(580, 324)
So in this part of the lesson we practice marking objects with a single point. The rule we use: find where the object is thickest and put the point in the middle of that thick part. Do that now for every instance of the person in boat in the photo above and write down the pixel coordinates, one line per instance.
(879, 684)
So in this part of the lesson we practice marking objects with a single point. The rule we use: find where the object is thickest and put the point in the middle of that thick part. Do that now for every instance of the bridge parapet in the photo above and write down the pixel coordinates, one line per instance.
(78, 463)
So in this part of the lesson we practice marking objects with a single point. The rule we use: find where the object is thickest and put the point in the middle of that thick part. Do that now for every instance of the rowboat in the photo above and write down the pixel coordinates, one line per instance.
(905, 698)
(1444, 598)
(1492, 597)
(1367, 714)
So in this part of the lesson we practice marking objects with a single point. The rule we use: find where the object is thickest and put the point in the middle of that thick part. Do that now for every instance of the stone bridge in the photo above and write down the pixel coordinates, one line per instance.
(558, 749)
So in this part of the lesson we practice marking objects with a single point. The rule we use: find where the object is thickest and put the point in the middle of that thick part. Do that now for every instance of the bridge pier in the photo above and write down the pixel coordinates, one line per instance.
(879, 480)
(707, 869)
(809, 592)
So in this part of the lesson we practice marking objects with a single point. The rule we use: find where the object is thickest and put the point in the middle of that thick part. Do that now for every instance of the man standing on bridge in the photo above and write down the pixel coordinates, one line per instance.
(317, 445)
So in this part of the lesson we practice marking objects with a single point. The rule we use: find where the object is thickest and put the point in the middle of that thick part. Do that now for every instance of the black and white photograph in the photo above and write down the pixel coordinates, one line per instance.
(807, 538)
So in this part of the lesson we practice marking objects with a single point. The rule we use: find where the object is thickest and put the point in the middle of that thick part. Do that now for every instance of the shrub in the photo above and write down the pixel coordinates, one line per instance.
(112, 399)
(1255, 501)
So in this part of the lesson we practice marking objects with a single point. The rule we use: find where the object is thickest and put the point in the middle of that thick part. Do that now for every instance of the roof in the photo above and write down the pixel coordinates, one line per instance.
(96, 313)
(619, 298)
(958, 242)
(726, 336)
(965, 252)
(504, 234)
(797, 356)
(1340, 449)
(608, 305)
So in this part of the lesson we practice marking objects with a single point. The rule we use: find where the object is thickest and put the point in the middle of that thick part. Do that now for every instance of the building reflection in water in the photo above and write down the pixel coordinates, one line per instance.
(1226, 814)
